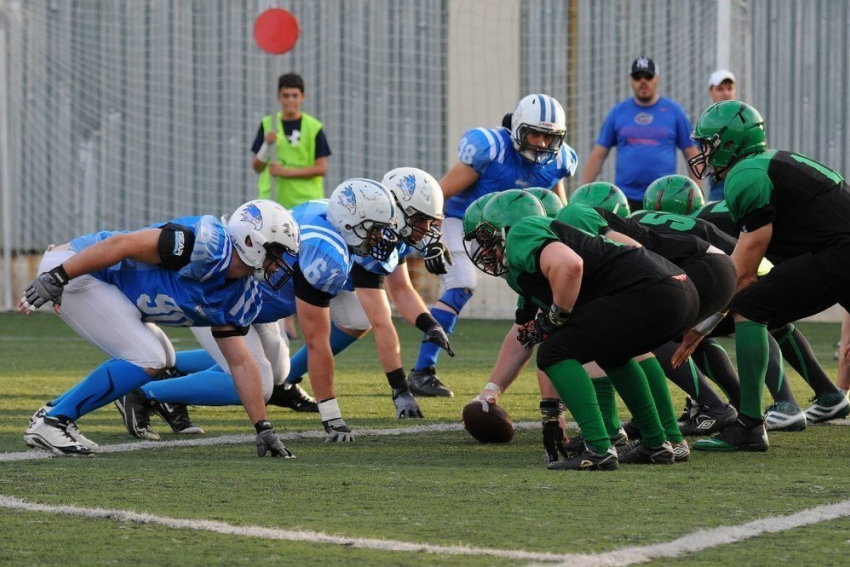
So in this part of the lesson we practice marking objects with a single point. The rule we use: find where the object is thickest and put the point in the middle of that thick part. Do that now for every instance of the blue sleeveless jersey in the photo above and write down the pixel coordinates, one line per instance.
(196, 294)
(500, 167)
(324, 259)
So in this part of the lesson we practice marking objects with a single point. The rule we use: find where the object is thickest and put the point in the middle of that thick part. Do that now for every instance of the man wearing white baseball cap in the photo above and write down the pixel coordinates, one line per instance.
(721, 85)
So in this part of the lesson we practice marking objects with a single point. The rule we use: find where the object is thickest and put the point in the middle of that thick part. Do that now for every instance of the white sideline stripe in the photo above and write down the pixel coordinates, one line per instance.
(694, 542)
(35, 454)
(704, 539)
(272, 533)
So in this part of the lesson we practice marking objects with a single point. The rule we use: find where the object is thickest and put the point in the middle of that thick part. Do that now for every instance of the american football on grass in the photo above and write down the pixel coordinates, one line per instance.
(487, 423)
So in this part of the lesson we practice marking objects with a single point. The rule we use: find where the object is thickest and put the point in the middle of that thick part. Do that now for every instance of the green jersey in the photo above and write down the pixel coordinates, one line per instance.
(608, 267)
(681, 249)
(669, 223)
(717, 213)
(807, 203)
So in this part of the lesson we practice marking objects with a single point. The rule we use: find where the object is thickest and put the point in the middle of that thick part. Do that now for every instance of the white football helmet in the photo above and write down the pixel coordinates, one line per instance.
(538, 113)
(419, 198)
(263, 229)
(364, 213)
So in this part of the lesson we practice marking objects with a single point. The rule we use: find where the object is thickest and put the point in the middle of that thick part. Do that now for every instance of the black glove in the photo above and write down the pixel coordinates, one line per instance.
(268, 441)
(553, 441)
(437, 335)
(406, 405)
(48, 286)
(436, 257)
(553, 434)
(544, 324)
(338, 431)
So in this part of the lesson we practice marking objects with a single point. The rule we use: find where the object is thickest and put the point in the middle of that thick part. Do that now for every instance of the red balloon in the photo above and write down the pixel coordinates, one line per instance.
(276, 31)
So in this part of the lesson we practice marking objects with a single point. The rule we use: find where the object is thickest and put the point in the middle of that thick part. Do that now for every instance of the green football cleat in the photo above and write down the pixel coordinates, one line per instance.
(736, 438)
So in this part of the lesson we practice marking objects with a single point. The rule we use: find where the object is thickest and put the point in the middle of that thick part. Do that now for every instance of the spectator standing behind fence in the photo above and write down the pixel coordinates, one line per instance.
(646, 129)
(295, 163)
(298, 166)
(721, 86)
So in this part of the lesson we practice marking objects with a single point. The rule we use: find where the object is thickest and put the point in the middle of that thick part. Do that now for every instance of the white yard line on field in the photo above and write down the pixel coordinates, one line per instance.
(236, 439)
(694, 542)
(704, 539)
(691, 543)
(272, 533)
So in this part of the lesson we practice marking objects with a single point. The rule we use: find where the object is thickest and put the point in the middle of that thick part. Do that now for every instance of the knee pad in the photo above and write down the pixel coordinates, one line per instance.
(457, 297)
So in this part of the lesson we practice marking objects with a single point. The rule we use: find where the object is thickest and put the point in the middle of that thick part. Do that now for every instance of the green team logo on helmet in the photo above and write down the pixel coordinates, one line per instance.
(726, 132)
(603, 196)
(499, 215)
(673, 194)
(548, 198)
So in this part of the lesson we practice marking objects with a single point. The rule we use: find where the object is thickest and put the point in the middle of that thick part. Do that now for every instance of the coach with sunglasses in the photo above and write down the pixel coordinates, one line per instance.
(646, 129)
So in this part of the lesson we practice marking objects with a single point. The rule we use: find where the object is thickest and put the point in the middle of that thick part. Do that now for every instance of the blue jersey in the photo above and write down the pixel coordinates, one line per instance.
(499, 166)
(324, 261)
(198, 293)
(646, 138)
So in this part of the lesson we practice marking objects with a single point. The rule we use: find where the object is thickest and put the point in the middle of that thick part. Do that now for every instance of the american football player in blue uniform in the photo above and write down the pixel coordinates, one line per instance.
(531, 153)
(364, 304)
(114, 287)
(358, 220)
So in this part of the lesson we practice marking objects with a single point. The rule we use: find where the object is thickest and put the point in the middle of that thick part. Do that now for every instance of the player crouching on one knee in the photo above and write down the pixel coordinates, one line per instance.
(598, 300)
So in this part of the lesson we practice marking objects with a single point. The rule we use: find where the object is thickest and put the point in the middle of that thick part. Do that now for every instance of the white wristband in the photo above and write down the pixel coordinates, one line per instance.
(492, 386)
(329, 409)
(263, 153)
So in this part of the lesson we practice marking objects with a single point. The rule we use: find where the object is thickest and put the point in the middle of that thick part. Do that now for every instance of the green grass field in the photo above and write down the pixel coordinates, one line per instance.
(474, 504)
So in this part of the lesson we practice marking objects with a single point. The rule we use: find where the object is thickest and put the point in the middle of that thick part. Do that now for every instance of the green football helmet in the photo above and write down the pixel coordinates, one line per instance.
(603, 196)
(673, 194)
(471, 221)
(472, 216)
(499, 215)
(726, 132)
(548, 198)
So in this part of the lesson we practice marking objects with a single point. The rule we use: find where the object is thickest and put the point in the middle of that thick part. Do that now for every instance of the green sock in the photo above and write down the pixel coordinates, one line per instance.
(607, 404)
(751, 348)
(631, 384)
(661, 395)
(576, 391)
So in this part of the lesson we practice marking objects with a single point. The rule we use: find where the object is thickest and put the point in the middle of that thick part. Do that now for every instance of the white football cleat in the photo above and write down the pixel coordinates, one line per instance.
(71, 428)
(51, 433)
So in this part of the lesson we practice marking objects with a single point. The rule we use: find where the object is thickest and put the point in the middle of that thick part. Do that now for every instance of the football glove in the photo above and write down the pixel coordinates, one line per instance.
(406, 405)
(553, 441)
(338, 431)
(48, 286)
(541, 327)
(437, 335)
(551, 411)
(436, 256)
(269, 442)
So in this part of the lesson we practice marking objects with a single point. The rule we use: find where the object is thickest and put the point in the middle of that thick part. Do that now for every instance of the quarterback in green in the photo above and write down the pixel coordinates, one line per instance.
(790, 209)
(585, 298)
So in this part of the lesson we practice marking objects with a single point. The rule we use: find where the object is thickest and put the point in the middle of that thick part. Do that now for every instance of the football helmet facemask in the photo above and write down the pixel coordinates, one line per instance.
(263, 231)
(541, 114)
(419, 199)
(726, 132)
(364, 213)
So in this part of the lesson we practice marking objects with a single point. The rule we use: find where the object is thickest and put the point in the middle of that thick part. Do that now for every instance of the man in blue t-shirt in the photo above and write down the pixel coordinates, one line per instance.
(646, 129)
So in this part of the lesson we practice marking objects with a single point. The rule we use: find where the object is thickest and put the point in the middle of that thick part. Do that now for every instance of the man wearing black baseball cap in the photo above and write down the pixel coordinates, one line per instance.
(646, 128)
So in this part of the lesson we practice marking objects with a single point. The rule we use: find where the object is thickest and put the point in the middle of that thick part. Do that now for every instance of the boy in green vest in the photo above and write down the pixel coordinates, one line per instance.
(291, 153)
